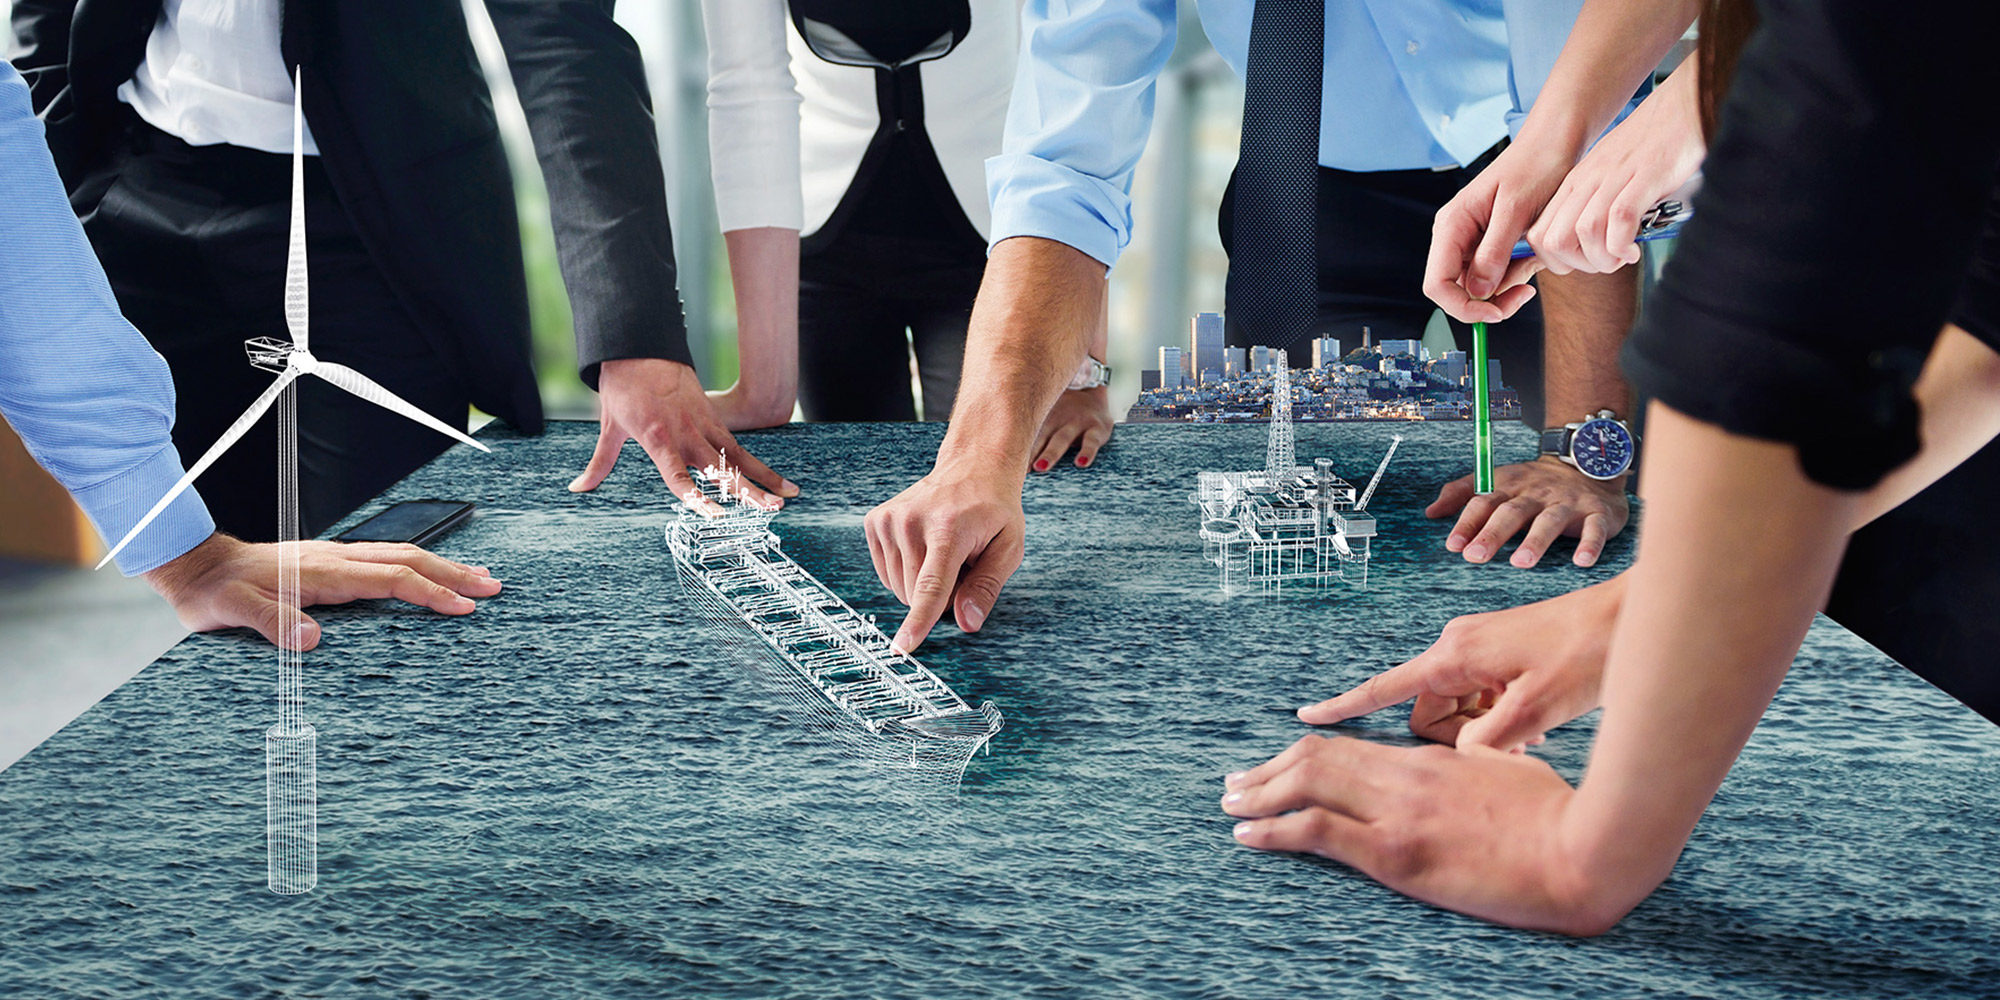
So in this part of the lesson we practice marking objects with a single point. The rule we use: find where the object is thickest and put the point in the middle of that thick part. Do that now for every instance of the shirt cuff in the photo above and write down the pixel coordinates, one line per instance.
(1036, 197)
(1851, 421)
(118, 503)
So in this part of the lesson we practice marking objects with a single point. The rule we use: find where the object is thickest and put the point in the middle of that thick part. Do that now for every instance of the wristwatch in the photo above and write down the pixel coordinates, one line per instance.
(1601, 446)
(1091, 374)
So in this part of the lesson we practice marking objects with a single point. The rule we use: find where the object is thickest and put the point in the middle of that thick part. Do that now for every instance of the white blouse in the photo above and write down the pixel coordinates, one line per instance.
(787, 129)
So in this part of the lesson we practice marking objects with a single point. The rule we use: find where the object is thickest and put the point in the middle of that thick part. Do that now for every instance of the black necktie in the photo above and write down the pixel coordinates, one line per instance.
(1272, 292)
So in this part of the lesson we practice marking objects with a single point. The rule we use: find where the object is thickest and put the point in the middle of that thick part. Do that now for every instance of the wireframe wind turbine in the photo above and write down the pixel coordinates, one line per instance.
(290, 747)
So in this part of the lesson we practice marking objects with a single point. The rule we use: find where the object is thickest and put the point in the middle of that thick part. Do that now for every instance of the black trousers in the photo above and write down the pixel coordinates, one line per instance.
(1374, 234)
(194, 241)
(857, 297)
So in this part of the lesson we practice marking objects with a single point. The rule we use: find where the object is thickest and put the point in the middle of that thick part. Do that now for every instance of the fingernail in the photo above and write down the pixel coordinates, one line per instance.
(302, 633)
(1454, 543)
(1242, 830)
(1232, 798)
(1041, 465)
(1475, 552)
(789, 487)
(1234, 779)
(463, 604)
(576, 485)
(975, 616)
(898, 647)
(1083, 461)
(481, 570)
(1303, 709)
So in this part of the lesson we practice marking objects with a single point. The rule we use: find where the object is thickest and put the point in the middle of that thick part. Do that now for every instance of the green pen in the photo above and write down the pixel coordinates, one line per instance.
(1482, 414)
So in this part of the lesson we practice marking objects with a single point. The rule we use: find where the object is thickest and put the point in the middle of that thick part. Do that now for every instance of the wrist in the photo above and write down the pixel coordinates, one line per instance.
(179, 574)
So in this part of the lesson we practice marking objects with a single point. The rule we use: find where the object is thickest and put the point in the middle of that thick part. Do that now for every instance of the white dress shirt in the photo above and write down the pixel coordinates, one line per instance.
(777, 164)
(214, 72)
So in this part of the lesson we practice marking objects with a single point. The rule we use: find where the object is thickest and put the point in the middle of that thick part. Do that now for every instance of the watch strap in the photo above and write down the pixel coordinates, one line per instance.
(1555, 440)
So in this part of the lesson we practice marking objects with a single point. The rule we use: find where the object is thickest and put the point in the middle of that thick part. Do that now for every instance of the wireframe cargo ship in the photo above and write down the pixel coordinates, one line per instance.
(773, 615)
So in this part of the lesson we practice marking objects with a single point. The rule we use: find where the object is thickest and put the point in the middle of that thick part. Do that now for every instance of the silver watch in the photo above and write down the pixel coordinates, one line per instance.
(1091, 374)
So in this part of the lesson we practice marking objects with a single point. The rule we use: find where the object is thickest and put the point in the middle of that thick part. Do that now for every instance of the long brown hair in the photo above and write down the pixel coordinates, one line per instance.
(1725, 26)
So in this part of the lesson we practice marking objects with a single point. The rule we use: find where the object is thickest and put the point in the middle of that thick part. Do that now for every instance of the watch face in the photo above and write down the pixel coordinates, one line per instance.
(1602, 449)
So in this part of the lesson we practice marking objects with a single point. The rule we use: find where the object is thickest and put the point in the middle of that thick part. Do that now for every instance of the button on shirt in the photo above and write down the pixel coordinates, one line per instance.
(1408, 85)
(214, 73)
(90, 399)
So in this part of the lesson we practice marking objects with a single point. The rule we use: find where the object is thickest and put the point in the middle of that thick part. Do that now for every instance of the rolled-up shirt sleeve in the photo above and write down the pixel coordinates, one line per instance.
(1078, 121)
(1843, 195)
(89, 397)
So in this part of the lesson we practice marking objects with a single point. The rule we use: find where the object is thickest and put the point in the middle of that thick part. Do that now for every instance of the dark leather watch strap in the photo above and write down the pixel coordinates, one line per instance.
(1553, 440)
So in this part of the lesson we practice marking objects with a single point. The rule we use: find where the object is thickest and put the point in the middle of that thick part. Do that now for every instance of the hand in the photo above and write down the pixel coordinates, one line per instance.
(1469, 273)
(660, 404)
(1499, 679)
(225, 583)
(741, 410)
(1548, 497)
(1593, 221)
(1474, 830)
(951, 540)
(1082, 418)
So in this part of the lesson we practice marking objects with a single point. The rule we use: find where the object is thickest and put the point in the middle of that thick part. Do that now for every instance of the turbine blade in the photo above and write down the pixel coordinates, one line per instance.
(229, 437)
(367, 388)
(296, 313)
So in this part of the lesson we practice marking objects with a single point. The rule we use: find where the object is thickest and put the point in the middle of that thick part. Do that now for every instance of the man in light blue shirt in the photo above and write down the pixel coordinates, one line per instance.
(95, 406)
(1415, 98)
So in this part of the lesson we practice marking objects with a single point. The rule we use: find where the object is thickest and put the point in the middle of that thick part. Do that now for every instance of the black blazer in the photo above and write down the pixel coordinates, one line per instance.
(407, 135)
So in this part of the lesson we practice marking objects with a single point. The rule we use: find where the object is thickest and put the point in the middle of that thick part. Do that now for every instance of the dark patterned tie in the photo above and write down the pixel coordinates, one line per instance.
(1272, 293)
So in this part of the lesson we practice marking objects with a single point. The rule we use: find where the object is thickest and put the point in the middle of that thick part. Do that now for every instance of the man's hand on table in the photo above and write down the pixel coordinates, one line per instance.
(1081, 419)
(1547, 497)
(661, 405)
(949, 541)
(1476, 830)
(226, 583)
(1500, 679)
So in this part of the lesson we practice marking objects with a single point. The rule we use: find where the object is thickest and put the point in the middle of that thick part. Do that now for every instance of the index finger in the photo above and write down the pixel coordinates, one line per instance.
(930, 596)
(1393, 686)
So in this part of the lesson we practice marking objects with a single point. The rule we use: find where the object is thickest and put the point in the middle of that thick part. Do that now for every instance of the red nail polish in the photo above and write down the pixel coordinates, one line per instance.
(1041, 465)
(1083, 462)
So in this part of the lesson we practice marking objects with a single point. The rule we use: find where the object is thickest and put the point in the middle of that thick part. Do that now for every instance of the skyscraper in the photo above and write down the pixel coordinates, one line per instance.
(1232, 361)
(1452, 368)
(1413, 348)
(1493, 374)
(1260, 358)
(1326, 351)
(1149, 378)
(1172, 373)
(1205, 346)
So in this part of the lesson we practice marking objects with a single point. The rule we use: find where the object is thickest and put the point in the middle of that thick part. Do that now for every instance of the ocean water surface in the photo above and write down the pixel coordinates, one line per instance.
(568, 794)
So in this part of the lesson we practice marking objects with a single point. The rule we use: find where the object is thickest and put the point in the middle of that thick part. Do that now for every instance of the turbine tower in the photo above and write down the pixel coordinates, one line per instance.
(1278, 456)
(291, 797)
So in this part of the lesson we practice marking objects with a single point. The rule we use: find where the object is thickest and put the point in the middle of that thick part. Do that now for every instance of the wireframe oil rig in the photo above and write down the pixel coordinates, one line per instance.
(1286, 523)
(769, 613)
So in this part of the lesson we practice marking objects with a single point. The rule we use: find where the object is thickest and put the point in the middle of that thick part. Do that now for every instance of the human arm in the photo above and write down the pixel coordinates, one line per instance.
(1609, 52)
(582, 85)
(1080, 418)
(753, 138)
(951, 540)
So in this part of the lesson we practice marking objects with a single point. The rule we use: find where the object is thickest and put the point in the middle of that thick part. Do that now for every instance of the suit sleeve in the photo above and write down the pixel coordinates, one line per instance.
(583, 85)
(1844, 193)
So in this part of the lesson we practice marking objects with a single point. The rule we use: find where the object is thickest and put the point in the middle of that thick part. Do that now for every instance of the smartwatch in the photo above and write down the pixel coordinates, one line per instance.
(1601, 446)
(1092, 374)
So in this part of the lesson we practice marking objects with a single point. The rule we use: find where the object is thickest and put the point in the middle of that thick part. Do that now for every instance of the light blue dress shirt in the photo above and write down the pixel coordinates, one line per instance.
(90, 398)
(1408, 85)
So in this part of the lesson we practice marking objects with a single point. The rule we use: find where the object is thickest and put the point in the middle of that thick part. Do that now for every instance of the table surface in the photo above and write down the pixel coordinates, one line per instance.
(567, 793)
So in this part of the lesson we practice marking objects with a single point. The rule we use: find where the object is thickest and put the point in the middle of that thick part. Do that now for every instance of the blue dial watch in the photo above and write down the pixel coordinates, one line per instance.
(1601, 446)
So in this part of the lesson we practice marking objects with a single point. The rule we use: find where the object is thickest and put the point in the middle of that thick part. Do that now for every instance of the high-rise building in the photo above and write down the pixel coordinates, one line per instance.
(1260, 358)
(1366, 338)
(1413, 348)
(1452, 368)
(1205, 346)
(1232, 361)
(1172, 373)
(1493, 374)
(1149, 378)
(1326, 351)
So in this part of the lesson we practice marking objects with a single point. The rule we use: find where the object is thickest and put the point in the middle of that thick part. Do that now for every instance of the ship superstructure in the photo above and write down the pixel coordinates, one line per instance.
(1286, 524)
(835, 660)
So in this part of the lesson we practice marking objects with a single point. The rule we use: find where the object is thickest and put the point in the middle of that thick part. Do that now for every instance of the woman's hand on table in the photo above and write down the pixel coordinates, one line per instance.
(1475, 830)
(225, 583)
(1500, 679)
(661, 405)
(1081, 419)
(1548, 497)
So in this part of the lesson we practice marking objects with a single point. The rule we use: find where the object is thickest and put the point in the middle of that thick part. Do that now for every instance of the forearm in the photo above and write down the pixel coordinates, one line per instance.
(1585, 318)
(1738, 553)
(1610, 51)
(764, 271)
(1959, 395)
(1039, 308)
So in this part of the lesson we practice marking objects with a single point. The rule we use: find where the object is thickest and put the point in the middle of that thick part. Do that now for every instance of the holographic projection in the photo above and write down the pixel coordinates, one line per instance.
(1286, 523)
(291, 830)
(767, 613)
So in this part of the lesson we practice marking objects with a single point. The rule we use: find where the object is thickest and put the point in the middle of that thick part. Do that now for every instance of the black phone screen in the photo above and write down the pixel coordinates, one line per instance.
(416, 521)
